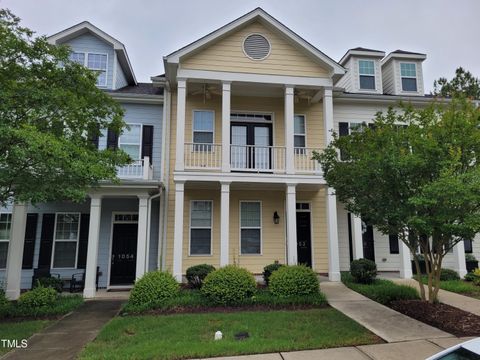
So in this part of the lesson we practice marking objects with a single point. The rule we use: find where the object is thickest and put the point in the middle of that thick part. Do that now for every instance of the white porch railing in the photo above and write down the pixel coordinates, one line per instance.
(203, 156)
(257, 158)
(138, 169)
(303, 161)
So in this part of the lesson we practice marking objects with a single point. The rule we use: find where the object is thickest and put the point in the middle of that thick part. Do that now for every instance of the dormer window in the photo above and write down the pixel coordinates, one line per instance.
(96, 62)
(408, 73)
(366, 70)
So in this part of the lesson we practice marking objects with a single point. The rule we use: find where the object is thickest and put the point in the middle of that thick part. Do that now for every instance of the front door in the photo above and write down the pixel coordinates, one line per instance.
(368, 241)
(251, 146)
(124, 254)
(304, 239)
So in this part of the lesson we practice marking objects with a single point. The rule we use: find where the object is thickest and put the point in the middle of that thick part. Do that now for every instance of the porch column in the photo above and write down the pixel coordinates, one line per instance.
(289, 114)
(180, 139)
(357, 239)
(459, 256)
(178, 231)
(291, 202)
(226, 126)
(224, 223)
(405, 262)
(142, 236)
(15, 251)
(92, 249)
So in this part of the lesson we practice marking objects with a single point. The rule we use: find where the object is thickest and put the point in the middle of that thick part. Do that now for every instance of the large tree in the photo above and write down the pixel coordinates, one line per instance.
(414, 173)
(50, 109)
(463, 83)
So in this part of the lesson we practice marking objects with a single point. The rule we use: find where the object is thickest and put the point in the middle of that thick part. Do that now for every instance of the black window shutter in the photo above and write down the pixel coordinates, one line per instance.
(343, 128)
(394, 247)
(46, 241)
(94, 136)
(147, 141)
(29, 244)
(112, 139)
(83, 241)
(468, 246)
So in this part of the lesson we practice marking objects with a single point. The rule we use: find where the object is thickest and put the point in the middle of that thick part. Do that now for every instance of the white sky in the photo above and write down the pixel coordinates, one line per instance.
(447, 31)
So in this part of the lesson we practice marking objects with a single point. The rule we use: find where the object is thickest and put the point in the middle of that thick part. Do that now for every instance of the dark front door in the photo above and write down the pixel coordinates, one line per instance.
(124, 254)
(367, 238)
(250, 146)
(304, 239)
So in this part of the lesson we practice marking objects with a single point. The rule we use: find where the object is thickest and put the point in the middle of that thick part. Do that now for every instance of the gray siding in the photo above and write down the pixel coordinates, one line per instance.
(120, 80)
(388, 78)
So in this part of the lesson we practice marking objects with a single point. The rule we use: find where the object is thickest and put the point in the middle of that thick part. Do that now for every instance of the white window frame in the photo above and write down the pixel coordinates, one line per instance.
(10, 235)
(200, 227)
(65, 240)
(372, 75)
(249, 227)
(203, 131)
(119, 142)
(408, 77)
(86, 53)
(297, 134)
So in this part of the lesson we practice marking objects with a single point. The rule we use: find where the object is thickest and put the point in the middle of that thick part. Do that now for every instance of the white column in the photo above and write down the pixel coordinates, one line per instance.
(289, 114)
(180, 139)
(459, 256)
(226, 126)
(292, 257)
(405, 261)
(142, 237)
(224, 223)
(92, 249)
(15, 251)
(178, 231)
(357, 238)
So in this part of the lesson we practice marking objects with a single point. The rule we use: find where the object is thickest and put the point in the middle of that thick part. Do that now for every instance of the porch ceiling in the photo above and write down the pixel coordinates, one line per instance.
(215, 185)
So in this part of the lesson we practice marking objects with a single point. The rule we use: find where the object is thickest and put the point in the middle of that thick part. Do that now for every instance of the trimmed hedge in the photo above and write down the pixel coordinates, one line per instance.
(230, 285)
(297, 280)
(363, 271)
(268, 270)
(197, 274)
(153, 287)
(449, 274)
(38, 297)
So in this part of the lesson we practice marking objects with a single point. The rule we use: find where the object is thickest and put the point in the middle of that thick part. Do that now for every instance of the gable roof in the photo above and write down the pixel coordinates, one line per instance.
(402, 54)
(172, 60)
(86, 27)
(361, 51)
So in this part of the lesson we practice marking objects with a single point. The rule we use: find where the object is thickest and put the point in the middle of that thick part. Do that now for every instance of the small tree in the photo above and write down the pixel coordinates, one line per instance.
(463, 83)
(50, 109)
(415, 173)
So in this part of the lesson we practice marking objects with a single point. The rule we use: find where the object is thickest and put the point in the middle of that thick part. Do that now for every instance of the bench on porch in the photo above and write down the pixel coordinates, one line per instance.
(77, 281)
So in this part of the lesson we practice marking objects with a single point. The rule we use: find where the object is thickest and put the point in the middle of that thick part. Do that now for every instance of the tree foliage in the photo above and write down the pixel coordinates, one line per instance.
(463, 83)
(414, 173)
(50, 108)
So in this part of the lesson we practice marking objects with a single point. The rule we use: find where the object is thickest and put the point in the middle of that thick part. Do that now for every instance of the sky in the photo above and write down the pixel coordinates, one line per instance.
(447, 31)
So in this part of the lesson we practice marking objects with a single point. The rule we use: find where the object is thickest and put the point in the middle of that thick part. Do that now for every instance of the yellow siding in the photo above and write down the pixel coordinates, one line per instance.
(227, 55)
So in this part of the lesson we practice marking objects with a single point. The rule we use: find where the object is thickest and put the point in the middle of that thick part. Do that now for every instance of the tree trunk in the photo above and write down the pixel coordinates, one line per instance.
(419, 276)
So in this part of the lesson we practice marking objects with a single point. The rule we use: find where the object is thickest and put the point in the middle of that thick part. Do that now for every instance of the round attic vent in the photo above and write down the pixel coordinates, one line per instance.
(256, 47)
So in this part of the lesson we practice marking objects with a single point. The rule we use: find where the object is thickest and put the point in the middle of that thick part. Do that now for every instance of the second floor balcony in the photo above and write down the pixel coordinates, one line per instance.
(137, 170)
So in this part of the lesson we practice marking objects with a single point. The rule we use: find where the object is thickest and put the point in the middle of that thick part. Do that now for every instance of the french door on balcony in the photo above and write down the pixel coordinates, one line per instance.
(251, 147)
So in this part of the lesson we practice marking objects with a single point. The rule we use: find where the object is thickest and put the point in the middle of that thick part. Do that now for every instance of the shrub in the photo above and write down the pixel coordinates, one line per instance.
(153, 287)
(53, 282)
(476, 279)
(297, 280)
(269, 269)
(229, 285)
(38, 297)
(3, 299)
(470, 257)
(197, 274)
(448, 274)
(363, 271)
(469, 276)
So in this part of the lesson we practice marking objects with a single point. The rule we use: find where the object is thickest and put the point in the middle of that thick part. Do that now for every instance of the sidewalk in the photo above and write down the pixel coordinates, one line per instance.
(66, 338)
(381, 320)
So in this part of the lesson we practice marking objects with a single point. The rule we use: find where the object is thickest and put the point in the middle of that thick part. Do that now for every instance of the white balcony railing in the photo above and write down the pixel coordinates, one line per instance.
(304, 162)
(203, 156)
(257, 158)
(138, 169)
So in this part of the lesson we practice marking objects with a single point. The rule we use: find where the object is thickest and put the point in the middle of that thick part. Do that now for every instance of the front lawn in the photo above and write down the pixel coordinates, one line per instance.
(19, 330)
(63, 305)
(460, 287)
(192, 335)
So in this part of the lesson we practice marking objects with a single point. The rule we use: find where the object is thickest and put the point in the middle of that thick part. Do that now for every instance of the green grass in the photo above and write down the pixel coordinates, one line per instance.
(19, 331)
(381, 291)
(193, 299)
(191, 335)
(63, 305)
(460, 287)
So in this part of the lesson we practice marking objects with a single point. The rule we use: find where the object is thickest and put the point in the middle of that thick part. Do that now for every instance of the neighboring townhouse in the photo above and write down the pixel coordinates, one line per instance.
(117, 230)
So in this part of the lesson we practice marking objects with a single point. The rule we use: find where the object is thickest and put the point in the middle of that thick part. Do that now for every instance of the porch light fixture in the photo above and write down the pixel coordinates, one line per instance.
(276, 218)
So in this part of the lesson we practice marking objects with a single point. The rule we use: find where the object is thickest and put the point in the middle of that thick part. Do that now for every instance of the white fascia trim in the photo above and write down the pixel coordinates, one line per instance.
(389, 99)
(176, 56)
(248, 177)
(393, 56)
(138, 99)
(202, 75)
(371, 54)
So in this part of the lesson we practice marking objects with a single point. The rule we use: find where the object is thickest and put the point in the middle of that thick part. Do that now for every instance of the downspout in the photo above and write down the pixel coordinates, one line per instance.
(149, 224)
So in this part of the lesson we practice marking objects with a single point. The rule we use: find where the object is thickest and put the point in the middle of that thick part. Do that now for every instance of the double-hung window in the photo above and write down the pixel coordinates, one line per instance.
(5, 226)
(98, 63)
(408, 72)
(250, 227)
(203, 129)
(130, 141)
(366, 70)
(299, 136)
(78, 57)
(67, 229)
(201, 228)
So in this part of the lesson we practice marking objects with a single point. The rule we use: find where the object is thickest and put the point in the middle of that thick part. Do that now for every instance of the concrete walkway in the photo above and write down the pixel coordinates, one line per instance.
(67, 337)
(386, 323)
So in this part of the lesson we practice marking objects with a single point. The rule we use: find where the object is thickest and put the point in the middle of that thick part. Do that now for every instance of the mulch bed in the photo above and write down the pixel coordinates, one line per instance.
(442, 316)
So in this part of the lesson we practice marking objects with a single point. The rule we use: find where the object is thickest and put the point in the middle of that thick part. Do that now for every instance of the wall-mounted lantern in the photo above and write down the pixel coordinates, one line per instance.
(276, 218)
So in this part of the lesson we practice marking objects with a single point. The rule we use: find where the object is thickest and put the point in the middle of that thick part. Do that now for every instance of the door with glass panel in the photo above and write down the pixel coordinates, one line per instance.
(251, 147)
